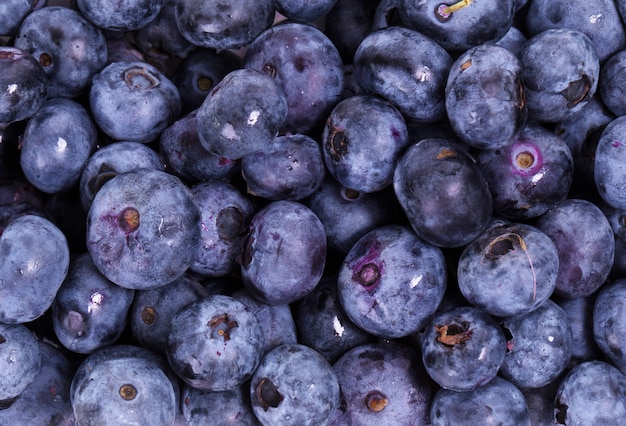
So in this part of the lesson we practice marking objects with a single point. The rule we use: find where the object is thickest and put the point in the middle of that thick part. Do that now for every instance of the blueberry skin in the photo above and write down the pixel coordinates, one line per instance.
(133, 101)
(529, 175)
(46, 400)
(225, 408)
(89, 311)
(539, 346)
(277, 321)
(608, 164)
(215, 343)
(347, 215)
(127, 16)
(35, 261)
(294, 385)
(391, 282)
(184, 156)
(13, 12)
(111, 160)
(407, 68)
(20, 361)
(198, 73)
(612, 79)
(443, 193)
(579, 311)
(160, 38)
(307, 11)
(354, 14)
(143, 229)
(384, 383)
(510, 269)
(26, 82)
(226, 214)
(497, 402)
(485, 98)
(222, 25)
(617, 220)
(71, 53)
(592, 393)
(56, 145)
(513, 40)
(323, 323)
(362, 141)
(290, 168)
(463, 348)
(608, 330)
(585, 243)
(241, 115)
(306, 65)
(598, 20)
(124, 385)
(472, 24)
(284, 254)
(560, 69)
(151, 312)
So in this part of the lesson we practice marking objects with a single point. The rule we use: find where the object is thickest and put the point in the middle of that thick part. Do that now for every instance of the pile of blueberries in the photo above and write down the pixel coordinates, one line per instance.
(331, 212)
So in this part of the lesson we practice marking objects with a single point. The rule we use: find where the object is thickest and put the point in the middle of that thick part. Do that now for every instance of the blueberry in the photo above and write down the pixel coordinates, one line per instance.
(152, 310)
(26, 85)
(226, 213)
(284, 254)
(513, 40)
(128, 16)
(323, 323)
(35, 261)
(608, 331)
(529, 175)
(459, 25)
(291, 167)
(510, 269)
(143, 229)
(46, 400)
(215, 343)
(560, 69)
(294, 385)
(463, 348)
(384, 383)
(617, 220)
(56, 145)
(69, 48)
(306, 65)
(539, 346)
(13, 12)
(357, 15)
(184, 156)
(198, 73)
(584, 240)
(391, 282)
(221, 24)
(241, 115)
(20, 361)
(592, 393)
(497, 402)
(407, 68)
(133, 101)
(579, 312)
(484, 99)
(608, 170)
(443, 193)
(111, 160)
(123, 385)
(231, 407)
(599, 20)
(612, 79)
(304, 11)
(363, 156)
(89, 311)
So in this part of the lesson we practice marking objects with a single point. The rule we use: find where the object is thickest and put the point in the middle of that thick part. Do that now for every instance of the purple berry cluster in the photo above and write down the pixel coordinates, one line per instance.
(325, 213)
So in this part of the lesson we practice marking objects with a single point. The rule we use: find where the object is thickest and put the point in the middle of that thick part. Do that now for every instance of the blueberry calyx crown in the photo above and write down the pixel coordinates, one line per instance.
(267, 394)
(454, 334)
(223, 325)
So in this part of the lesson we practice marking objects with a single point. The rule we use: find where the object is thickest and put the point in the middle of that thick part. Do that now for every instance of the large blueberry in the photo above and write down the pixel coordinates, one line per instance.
(391, 282)
(34, 262)
(406, 68)
(20, 361)
(225, 408)
(13, 12)
(143, 229)
(113, 15)
(610, 155)
(443, 193)
(608, 328)
(294, 385)
(215, 343)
